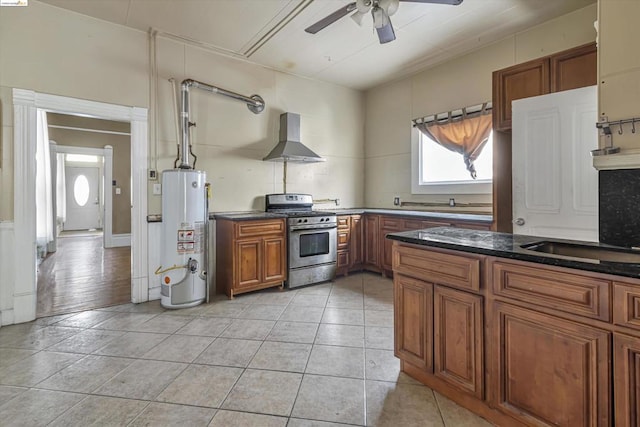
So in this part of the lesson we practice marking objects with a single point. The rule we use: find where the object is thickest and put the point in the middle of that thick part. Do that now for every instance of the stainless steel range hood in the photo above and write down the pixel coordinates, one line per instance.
(289, 147)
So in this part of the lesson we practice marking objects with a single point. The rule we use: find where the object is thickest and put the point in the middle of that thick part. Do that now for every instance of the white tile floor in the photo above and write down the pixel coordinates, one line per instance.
(316, 356)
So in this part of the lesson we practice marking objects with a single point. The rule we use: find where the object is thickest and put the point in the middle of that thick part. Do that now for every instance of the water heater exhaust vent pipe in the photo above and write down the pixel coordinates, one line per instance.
(254, 102)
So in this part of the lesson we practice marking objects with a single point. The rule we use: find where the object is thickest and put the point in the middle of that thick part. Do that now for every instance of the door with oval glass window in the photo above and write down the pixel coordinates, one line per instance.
(83, 198)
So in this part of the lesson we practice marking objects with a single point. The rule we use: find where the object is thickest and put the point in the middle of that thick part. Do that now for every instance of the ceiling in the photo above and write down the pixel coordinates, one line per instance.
(271, 32)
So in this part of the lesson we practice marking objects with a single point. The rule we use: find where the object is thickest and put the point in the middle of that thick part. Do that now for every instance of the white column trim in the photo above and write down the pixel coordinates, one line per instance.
(26, 103)
(139, 237)
(24, 208)
(7, 272)
(108, 197)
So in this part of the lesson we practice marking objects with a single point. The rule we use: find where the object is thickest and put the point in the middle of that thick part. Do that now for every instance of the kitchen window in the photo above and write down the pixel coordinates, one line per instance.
(452, 153)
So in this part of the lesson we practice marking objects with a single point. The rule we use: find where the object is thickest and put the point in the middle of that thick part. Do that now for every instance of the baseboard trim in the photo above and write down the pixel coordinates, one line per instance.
(154, 293)
(120, 240)
(6, 317)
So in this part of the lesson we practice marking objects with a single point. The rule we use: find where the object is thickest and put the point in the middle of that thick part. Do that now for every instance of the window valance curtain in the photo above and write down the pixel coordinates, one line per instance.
(466, 134)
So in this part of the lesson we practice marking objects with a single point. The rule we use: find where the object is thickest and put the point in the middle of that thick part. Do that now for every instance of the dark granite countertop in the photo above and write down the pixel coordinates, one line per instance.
(418, 214)
(245, 216)
(506, 245)
(240, 216)
(235, 216)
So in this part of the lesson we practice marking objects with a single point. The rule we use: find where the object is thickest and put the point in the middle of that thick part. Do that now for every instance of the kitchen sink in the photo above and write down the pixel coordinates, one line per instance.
(584, 252)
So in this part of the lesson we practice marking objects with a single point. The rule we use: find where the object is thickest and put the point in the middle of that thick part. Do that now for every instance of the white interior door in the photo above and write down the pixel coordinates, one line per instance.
(555, 187)
(83, 198)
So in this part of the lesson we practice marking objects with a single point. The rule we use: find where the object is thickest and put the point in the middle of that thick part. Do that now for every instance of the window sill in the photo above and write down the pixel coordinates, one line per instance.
(470, 188)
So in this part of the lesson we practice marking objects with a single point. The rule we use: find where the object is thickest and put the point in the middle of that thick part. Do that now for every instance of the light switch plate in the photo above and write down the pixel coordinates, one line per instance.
(118, 190)
(157, 189)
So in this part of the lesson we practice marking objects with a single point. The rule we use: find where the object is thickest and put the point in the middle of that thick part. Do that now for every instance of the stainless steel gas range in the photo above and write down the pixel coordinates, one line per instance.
(312, 239)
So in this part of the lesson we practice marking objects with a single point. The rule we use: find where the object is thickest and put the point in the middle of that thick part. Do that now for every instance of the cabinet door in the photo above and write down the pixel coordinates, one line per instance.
(372, 248)
(549, 371)
(386, 245)
(355, 246)
(458, 350)
(517, 82)
(413, 311)
(574, 68)
(626, 353)
(248, 261)
(274, 260)
(343, 262)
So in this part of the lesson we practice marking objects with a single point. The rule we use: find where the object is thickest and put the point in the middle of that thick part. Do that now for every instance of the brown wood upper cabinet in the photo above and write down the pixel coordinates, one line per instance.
(517, 82)
(569, 69)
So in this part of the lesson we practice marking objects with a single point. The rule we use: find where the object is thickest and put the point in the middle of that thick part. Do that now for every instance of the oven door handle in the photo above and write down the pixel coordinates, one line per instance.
(312, 227)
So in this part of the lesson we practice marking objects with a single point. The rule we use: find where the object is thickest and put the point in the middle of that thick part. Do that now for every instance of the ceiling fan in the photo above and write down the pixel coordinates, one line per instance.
(381, 10)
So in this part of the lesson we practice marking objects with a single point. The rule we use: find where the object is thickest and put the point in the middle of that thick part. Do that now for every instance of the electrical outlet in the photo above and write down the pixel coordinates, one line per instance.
(396, 201)
(152, 174)
(452, 202)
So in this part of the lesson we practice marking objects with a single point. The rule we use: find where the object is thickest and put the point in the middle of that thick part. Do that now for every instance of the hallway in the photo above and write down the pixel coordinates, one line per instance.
(82, 275)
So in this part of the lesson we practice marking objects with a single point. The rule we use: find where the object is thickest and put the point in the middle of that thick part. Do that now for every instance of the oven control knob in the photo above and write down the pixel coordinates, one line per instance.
(305, 220)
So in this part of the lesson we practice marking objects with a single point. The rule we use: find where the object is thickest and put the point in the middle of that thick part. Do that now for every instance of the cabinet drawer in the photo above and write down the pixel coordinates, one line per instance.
(447, 269)
(569, 292)
(343, 259)
(413, 224)
(389, 222)
(626, 303)
(343, 239)
(343, 222)
(258, 228)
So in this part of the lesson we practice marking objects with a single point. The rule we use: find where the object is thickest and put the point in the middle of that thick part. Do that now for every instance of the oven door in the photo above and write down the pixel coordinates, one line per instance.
(308, 247)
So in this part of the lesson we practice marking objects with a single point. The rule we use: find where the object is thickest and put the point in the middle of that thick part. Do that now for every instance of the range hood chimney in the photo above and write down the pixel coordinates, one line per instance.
(289, 147)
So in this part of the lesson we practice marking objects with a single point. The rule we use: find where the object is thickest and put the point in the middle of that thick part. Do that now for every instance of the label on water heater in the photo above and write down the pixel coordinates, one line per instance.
(190, 238)
(186, 238)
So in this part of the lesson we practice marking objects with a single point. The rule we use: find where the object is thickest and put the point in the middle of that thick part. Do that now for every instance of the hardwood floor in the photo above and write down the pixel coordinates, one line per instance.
(82, 275)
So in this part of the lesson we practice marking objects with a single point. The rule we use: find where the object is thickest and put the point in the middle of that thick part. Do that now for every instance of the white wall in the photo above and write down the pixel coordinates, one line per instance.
(461, 82)
(54, 51)
(230, 141)
(51, 50)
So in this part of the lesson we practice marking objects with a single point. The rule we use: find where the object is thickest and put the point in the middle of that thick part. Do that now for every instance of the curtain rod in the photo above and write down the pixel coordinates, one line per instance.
(455, 115)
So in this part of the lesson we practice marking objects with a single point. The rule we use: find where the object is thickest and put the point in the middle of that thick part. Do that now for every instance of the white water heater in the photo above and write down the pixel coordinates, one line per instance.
(184, 238)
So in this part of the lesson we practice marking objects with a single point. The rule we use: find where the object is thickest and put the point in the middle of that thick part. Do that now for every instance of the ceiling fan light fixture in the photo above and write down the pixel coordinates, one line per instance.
(386, 34)
(363, 6)
(358, 17)
(389, 6)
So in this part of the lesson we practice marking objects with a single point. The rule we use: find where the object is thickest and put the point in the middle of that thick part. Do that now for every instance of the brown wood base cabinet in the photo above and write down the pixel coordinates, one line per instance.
(251, 255)
(413, 301)
(438, 327)
(349, 244)
(519, 343)
(626, 353)
(549, 371)
(458, 343)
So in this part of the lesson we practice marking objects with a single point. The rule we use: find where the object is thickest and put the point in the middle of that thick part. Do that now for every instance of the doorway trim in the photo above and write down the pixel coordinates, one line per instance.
(25, 106)
(109, 239)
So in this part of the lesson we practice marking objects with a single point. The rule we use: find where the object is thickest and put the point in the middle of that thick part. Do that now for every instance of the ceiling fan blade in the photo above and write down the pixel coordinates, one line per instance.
(330, 19)
(449, 2)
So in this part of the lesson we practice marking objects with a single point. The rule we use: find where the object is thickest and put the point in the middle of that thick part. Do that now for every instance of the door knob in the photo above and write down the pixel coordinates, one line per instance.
(518, 221)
